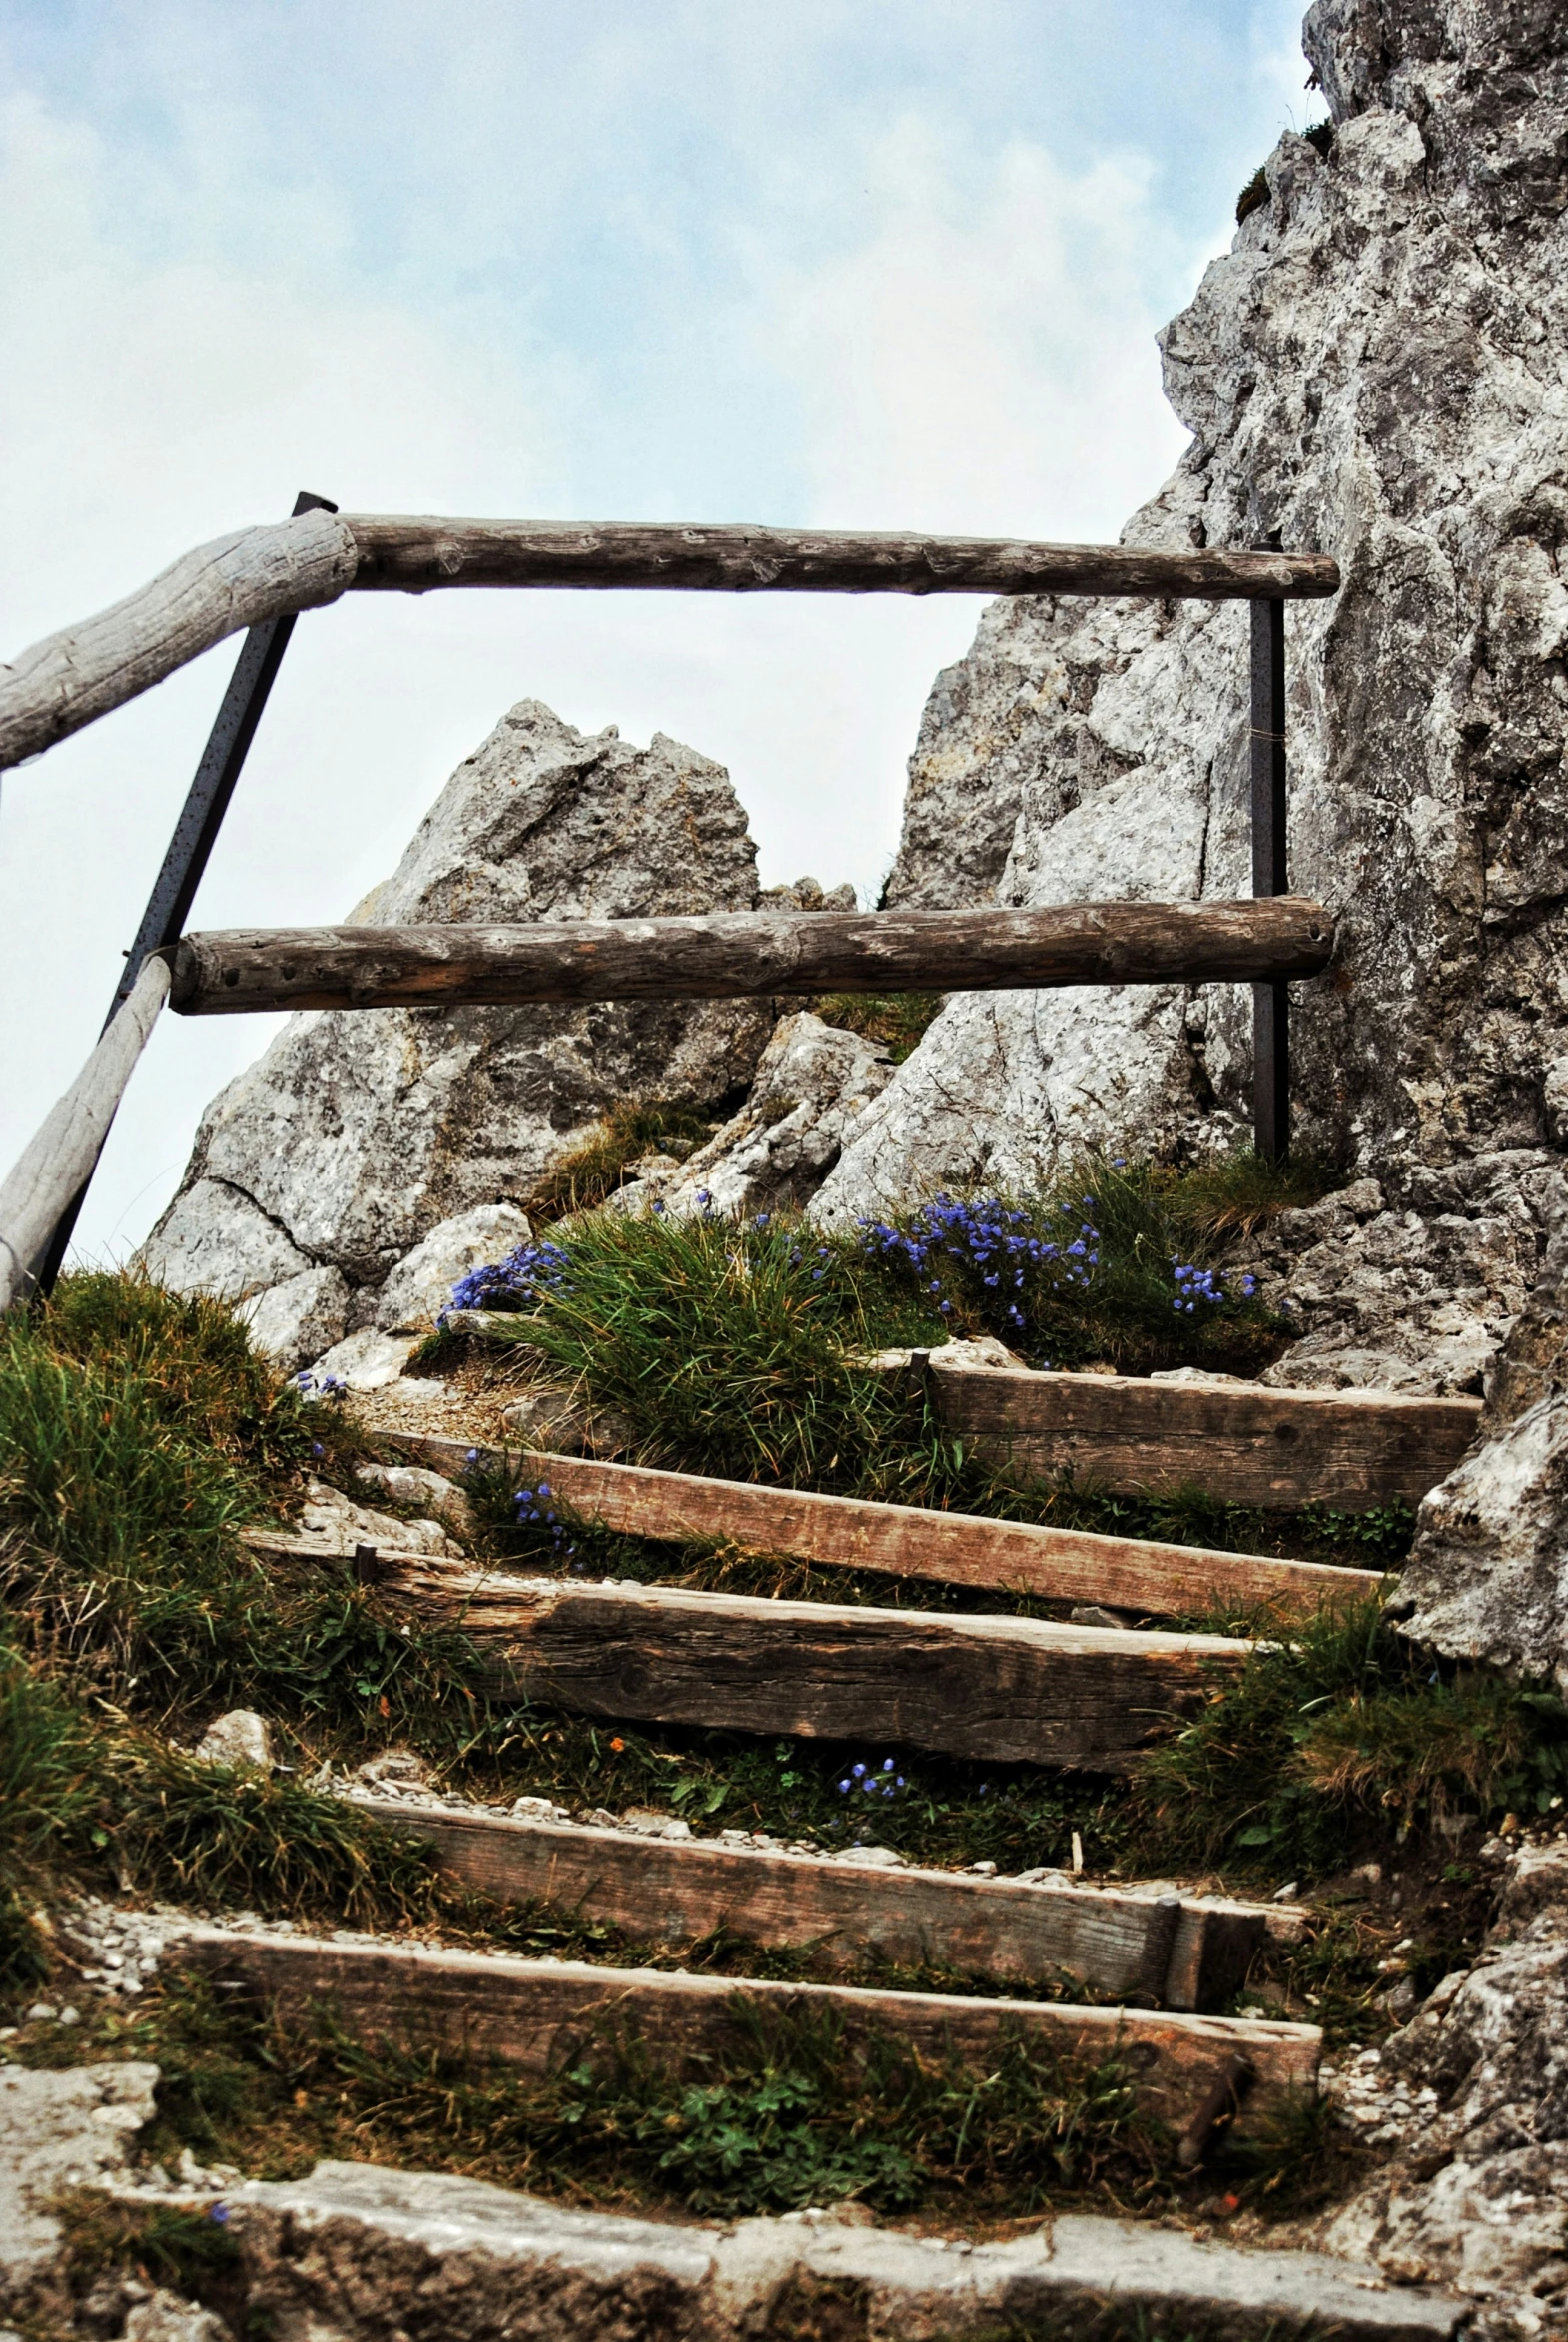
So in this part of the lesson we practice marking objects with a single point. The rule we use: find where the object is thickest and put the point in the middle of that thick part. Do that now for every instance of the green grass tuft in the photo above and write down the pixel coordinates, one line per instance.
(1333, 1733)
(898, 1020)
(589, 1173)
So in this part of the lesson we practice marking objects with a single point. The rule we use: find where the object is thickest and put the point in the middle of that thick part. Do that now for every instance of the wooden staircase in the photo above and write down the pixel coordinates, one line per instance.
(981, 1685)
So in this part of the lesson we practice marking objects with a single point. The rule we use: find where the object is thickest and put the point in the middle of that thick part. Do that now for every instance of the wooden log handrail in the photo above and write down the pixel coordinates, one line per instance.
(71, 678)
(416, 553)
(737, 955)
(50, 1170)
(252, 574)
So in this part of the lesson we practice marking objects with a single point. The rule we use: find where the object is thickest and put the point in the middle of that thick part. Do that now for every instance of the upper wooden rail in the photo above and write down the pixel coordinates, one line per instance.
(740, 953)
(255, 575)
(415, 555)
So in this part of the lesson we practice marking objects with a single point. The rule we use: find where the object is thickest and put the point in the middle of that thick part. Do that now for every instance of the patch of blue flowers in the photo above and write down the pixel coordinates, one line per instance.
(533, 1513)
(996, 1243)
(320, 1387)
(517, 1282)
(1204, 1288)
(868, 1780)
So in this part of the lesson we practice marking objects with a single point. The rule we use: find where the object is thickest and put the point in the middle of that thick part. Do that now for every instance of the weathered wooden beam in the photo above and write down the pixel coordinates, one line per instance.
(1005, 1690)
(415, 555)
(662, 1891)
(238, 581)
(900, 1540)
(252, 574)
(734, 954)
(50, 1172)
(1281, 1449)
(538, 2013)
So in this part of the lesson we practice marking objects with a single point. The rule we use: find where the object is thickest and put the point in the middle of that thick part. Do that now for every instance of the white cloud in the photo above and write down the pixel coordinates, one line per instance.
(976, 356)
(984, 361)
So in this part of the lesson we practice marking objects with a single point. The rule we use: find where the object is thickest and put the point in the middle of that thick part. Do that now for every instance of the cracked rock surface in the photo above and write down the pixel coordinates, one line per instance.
(1374, 370)
(1475, 2091)
(64, 2129)
(357, 1133)
(1487, 1576)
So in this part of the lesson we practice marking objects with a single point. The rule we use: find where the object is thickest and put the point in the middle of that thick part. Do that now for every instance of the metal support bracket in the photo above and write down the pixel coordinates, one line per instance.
(1270, 1002)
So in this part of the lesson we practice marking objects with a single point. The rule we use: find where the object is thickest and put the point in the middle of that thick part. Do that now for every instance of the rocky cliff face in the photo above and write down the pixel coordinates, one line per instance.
(1375, 370)
(356, 1134)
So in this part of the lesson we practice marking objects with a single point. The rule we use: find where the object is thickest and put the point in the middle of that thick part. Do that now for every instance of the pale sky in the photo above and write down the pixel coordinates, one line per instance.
(880, 263)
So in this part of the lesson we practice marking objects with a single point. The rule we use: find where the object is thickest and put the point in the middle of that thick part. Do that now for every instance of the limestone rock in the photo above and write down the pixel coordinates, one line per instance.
(240, 1738)
(814, 1084)
(60, 2130)
(365, 1361)
(420, 1285)
(297, 1320)
(560, 1422)
(357, 1133)
(1487, 1576)
(347, 2250)
(412, 1484)
(215, 1239)
(337, 1524)
(1372, 371)
(1473, 2198)
(1418, 1298)
(168, 2317)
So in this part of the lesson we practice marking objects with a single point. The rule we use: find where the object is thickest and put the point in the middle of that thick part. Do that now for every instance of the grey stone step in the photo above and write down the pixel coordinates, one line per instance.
(517, 2264)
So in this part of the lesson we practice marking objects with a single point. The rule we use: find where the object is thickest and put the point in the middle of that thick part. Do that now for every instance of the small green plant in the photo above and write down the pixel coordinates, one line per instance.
(589, 1173)
(1293, 2158)
(1332, 1733)
(898, 1020)
(175, 2248)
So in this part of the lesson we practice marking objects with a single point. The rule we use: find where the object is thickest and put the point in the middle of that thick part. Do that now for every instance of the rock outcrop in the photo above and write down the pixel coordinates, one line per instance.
(355, 1135)
(813, 1084)
(1475, 2089)
(1487, 1577)
(1375, 371)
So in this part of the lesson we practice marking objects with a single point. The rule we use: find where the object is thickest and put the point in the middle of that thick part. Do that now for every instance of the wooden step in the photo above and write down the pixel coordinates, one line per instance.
(1281, 1449)
(1176, 1951)
(900, 1540)
(538, 2013)
(1005, 1689)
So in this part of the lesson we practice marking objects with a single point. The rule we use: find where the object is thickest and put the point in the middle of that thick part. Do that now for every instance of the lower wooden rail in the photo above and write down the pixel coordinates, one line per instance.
(1174, 1951)
(900, 1540)
(540, 2013)
(741, 953)
(1005, 1690)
